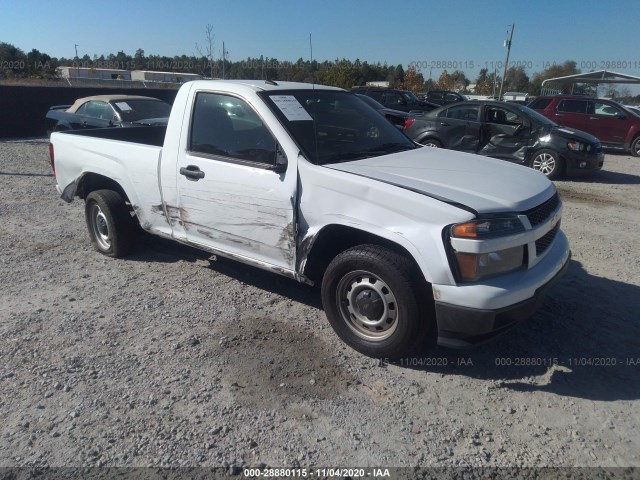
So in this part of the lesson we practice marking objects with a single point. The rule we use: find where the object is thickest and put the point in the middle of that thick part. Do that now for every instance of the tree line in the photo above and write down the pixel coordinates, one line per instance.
(16, 64)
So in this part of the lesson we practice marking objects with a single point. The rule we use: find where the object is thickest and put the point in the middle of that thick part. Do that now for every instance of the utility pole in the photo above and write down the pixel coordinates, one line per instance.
(507, 44)
(223, 55)
(77, 61)
(495, 80)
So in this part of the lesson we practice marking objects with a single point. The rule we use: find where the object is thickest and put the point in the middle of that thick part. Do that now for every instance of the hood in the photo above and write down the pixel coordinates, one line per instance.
(482, 184)
(572, 133)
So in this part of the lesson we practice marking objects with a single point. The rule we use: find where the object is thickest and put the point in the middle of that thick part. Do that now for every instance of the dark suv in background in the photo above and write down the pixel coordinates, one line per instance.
(402, 100)
(443, 97)
(612, 123)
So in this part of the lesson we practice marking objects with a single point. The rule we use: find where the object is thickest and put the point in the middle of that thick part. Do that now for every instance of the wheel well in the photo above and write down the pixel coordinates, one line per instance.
(94, 181)
(91, 182)
(334, 239)
(429, 136)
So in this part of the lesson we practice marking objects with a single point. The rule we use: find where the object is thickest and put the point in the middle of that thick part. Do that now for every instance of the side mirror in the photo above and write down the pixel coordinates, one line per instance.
(281, 161)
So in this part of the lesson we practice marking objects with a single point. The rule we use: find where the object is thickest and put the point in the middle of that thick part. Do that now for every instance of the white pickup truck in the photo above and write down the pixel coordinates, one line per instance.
(409, 244)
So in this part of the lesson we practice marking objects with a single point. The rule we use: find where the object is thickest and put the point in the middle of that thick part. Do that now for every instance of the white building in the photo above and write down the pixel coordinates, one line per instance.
(168, 77)
(97, 73)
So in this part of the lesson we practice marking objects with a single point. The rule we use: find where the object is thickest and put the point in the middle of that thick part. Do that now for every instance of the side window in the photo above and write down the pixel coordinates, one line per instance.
(227, 126)
(392, 98)
(464, 112)
(605, 109)
(103, 111)
(452, 97)
(83, 109)
(376, 96)
(513, 118)
(496, 115)
(96, 110)
(573, 106)
(435, 95)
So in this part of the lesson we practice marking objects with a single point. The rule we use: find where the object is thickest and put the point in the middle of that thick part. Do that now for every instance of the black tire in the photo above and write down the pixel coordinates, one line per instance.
(109, 222)
(369, 281)
(635, 147)
(548, 163)
(431, 142)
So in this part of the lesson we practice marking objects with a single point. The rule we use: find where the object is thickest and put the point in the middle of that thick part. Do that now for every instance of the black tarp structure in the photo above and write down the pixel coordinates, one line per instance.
(552, 86)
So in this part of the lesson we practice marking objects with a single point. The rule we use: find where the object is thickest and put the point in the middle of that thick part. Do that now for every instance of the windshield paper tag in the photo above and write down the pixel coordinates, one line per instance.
(124, 106)
(289, 105)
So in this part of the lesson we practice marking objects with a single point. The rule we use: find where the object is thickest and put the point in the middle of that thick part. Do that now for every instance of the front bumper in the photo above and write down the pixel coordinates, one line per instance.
(592, 162)
(470, 314)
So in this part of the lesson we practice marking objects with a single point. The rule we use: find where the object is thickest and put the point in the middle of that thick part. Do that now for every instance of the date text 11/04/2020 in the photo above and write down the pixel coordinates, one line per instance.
(513, 362)
(316, 472)
(568, 362)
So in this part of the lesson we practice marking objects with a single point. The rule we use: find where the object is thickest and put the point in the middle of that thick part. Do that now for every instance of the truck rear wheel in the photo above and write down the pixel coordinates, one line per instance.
(371, 297)
(109, 223)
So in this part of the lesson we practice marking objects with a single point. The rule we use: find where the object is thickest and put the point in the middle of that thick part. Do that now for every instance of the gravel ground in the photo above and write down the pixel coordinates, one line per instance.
(168, 358)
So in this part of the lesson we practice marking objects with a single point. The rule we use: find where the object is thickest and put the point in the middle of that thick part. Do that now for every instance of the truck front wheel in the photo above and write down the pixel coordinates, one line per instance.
(371, 297)
(109, 223)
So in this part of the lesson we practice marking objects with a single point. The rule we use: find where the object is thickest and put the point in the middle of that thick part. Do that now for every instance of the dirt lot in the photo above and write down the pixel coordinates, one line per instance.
(169, 359)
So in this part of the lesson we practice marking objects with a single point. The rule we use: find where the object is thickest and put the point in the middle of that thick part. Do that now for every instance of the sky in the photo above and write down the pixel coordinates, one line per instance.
(462, 34)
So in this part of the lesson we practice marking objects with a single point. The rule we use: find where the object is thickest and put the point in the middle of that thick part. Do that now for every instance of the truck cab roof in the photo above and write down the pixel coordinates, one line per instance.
(258, 85)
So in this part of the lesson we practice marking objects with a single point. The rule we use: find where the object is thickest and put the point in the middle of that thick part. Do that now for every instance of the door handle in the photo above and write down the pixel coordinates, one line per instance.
(192, 172)
(594, 118)
(444, 124)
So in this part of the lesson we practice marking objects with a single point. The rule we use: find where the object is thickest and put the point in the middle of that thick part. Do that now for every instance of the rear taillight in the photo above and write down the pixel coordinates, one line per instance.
(408, 122)
(52, 158)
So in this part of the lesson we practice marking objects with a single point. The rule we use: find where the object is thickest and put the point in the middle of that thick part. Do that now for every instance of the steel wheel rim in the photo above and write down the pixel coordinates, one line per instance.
(430, 145)
(352, 293)
(544, 163)
(100, 227)
(636, 148)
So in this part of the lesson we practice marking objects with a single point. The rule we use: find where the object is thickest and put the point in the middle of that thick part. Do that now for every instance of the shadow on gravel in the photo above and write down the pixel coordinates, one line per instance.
(582, 343)
(606, 177)
(27, 174)
(155, 249)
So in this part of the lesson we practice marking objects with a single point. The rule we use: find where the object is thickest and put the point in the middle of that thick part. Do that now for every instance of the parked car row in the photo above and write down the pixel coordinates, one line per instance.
(402, 100)
(104, 111)
(555, 135)
(510, 132)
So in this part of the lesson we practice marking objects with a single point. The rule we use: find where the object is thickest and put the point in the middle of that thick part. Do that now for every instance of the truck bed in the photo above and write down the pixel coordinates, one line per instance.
(144, 135)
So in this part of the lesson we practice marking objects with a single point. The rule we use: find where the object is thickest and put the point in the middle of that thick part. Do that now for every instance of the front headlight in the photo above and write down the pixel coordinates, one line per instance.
(474, 266)
(578, 146)
(488, 228)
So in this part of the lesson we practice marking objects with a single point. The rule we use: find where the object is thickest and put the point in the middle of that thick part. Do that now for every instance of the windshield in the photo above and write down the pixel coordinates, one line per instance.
(410, 98)
(333, 126)
(370, 101)
(535, 115)
(135, 110)
(634, 110)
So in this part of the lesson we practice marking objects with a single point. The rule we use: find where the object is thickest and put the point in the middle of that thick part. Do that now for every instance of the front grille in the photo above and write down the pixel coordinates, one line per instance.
(543, 242)
(539, 214)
